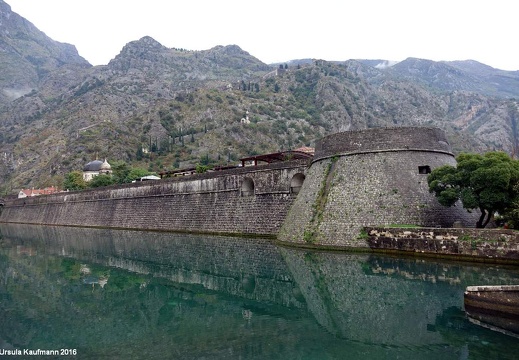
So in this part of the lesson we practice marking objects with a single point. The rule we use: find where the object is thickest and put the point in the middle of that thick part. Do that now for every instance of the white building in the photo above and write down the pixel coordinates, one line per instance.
(96, 167)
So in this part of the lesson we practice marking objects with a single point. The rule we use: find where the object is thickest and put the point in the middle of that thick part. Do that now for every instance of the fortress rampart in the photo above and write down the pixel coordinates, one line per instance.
(250, 201)
(356, 179)
(366, 177)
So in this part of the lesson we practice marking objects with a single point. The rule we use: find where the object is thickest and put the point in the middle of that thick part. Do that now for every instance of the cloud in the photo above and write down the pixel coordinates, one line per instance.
(386, 63)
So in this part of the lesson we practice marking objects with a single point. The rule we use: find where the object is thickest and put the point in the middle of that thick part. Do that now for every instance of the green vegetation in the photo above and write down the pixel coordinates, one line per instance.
(486, 182)
(122, 173)
(157, 119)
(101, 180)
(200, 169)
(320, 203)
(363, 235)
(74, 181)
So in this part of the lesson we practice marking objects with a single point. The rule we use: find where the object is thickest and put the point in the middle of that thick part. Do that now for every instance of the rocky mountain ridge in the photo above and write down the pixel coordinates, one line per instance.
(162, 108)
(27, 55)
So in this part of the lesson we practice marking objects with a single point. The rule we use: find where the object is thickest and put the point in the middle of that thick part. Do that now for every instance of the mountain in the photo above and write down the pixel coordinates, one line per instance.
(27, 55)
(164, 108)
(446, 76)
(498, 82)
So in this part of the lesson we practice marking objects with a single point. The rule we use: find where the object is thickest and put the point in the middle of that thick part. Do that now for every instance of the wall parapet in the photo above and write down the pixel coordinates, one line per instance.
(481, 245)
(204, 183)
(382, 139)
(365, 152)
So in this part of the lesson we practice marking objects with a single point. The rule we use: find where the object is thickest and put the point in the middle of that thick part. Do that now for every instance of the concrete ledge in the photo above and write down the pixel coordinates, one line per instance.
(493, 288)
(494, 307)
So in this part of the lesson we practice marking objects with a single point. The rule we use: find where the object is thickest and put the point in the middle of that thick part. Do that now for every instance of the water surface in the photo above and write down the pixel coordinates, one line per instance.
(114, 294)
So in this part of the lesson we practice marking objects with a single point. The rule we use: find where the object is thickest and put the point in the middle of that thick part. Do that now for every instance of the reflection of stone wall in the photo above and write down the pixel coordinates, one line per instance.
(245, 267)
(370, 177)
(366, 306)
(341, 296)
(41, 309)
(204, 203)
(397, 300)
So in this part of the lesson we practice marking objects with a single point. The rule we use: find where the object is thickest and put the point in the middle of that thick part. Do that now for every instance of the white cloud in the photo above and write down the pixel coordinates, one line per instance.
(386, 64)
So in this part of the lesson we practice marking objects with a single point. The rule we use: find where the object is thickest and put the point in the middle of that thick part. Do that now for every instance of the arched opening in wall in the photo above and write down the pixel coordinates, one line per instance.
(296, 183)
(247, 187)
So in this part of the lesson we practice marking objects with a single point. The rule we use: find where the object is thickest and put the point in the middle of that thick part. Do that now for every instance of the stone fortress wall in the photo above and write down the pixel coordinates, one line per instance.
(356, 179)
(375, 176)
(246, 201)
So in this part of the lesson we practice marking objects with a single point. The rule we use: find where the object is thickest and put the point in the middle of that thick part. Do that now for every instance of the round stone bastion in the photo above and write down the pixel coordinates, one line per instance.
(370, 177)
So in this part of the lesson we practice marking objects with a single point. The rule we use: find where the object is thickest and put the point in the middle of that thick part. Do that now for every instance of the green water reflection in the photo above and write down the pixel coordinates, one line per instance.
(138, 295)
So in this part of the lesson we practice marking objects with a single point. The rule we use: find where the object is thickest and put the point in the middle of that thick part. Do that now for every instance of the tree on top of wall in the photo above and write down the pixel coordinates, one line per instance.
(101, 180)
(74, 181)
(485, 182)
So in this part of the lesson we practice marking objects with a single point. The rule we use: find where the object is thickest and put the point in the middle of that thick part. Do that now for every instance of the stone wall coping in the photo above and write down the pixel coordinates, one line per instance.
(373, 139)
(480, 245)
(492, 288)
(364, 152)
(434, 230)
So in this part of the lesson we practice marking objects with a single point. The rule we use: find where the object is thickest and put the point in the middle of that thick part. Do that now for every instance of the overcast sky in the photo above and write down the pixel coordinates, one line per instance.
(282, 30)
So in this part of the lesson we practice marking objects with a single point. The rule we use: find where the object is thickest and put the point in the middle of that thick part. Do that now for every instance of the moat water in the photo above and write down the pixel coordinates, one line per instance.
(113, 294)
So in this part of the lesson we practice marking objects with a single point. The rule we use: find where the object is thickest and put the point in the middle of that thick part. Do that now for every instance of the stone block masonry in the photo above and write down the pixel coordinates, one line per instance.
(249, 201)
(356, 179)
(370, 177)
(483, 245)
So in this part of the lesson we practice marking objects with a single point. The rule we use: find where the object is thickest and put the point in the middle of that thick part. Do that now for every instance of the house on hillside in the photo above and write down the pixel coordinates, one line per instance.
(96, 167)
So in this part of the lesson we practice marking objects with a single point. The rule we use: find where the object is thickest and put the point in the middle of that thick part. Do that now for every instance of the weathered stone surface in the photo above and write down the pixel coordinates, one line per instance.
(370, 177)
(205, 203)
(357, 179)
(500, 245)
(496, 307)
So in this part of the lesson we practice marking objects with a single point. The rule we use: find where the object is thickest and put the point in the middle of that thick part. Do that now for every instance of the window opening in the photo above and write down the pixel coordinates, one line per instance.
(426, 169)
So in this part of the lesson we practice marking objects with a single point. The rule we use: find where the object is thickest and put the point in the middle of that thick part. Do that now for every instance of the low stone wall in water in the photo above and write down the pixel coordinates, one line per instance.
(486, 245)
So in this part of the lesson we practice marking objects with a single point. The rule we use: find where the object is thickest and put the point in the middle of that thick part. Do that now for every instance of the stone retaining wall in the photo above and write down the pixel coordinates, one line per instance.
(488, 245)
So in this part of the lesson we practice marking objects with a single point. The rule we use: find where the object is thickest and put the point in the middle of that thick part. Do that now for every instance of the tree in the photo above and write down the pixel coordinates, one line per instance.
(120, 171)
(486, 182)
(74, 181)
(205, 160)
(101, 180)
(200, 169)
(139, 153)
(137, 173)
